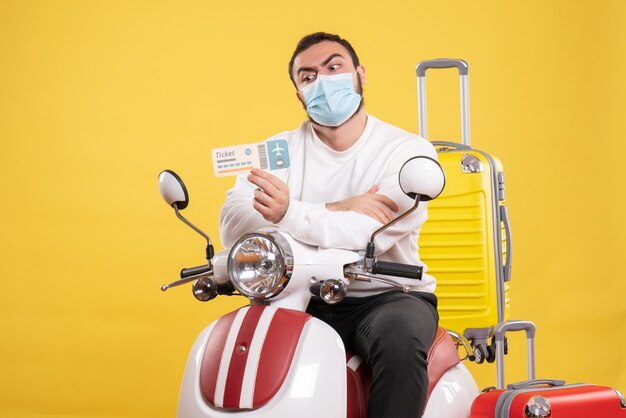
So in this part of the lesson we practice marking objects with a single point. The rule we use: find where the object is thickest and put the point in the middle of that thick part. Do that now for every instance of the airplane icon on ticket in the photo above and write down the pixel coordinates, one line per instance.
(277, 150)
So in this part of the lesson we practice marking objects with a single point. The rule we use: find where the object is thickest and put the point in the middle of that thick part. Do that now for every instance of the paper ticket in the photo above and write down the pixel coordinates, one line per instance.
(240, 159)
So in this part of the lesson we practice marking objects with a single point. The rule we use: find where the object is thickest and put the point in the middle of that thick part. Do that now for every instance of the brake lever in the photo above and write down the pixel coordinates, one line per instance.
(184, 281)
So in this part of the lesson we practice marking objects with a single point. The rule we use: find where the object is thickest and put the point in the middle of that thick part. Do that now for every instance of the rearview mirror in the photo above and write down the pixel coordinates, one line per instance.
(173, 189)
(422, 176)
(174, 193)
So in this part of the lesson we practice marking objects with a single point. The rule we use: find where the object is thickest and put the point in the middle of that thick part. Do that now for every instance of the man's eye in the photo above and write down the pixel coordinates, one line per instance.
(334, 67)
(308, 78)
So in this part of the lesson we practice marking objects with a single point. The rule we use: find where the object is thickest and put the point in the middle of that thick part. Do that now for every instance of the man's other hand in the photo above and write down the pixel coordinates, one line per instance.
(372, 204)
(271, 199)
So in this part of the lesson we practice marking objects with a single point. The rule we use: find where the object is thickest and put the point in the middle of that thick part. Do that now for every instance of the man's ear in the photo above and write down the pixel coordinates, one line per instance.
(301, 99)
(361, 70)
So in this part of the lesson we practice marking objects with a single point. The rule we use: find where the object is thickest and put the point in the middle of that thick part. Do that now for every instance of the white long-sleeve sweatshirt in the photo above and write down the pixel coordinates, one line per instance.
(318, 175)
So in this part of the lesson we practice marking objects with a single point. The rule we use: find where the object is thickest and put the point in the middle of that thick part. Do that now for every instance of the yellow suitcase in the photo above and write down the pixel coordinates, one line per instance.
(466, 242)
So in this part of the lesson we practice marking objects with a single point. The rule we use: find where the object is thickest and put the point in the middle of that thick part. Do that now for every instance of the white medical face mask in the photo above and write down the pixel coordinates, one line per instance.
(331, 99)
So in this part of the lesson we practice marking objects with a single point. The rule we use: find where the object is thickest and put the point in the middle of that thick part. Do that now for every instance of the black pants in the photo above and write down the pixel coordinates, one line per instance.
(392, 332)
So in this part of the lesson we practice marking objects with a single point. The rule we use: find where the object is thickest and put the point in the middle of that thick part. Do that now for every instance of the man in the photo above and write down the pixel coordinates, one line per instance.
(342, 184)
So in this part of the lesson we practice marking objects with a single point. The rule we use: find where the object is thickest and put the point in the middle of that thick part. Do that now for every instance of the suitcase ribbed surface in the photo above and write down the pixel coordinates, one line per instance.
(458, 245)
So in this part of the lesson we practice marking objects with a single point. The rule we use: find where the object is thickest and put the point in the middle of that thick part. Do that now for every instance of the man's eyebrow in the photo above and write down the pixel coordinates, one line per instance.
(326, 61)
(329, 59)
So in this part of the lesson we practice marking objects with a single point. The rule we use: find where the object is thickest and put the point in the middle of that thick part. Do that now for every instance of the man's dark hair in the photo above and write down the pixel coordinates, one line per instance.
(315, 38)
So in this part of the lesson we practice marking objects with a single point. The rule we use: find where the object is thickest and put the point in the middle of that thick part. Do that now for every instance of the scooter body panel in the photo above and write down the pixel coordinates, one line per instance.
(315, 383)
(453, 394)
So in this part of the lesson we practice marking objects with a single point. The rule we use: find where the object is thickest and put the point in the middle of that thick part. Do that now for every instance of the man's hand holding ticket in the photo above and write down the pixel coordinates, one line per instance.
(240, 159)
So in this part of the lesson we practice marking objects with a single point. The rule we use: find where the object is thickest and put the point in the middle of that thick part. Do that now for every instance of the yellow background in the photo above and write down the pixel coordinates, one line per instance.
(96, 97)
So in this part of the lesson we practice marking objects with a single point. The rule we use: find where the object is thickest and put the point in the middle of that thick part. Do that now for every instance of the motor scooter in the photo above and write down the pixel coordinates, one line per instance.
(271, 359)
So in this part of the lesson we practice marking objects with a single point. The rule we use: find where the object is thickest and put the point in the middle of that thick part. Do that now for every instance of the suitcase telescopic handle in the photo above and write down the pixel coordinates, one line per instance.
(499, 334)
(438, 63)
(461, 65)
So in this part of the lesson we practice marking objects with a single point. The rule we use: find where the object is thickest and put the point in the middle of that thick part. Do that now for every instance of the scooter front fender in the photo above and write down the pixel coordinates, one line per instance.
(314, 383)
(453, 395)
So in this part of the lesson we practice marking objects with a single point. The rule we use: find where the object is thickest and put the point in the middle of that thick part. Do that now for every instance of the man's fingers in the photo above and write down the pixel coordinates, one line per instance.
(260, 196)
(384, 212)
(382, 202)
(267, 177)
(262, 209)
(374, 214)
(380, 216)
(263, 184)
(271, 203)
(267, 211)
(387, 202)
(265, 199)
(382, 198)
(376, 210)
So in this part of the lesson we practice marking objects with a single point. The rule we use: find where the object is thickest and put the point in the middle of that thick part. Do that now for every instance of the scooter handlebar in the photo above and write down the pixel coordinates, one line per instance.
(193, 271)
(388, 268)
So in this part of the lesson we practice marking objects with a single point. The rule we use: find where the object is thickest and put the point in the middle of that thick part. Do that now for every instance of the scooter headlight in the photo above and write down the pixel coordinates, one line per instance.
(259, 266)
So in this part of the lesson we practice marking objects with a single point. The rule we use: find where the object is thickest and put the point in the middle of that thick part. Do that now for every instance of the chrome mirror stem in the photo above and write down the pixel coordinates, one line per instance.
(209, 252)
(369, 254)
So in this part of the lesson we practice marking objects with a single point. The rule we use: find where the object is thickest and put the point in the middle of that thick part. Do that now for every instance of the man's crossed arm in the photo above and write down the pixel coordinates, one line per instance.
(271, 200)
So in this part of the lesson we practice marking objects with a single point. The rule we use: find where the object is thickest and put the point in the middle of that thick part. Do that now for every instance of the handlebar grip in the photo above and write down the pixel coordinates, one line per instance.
(398, 269)
(315, 289)
(192, 271)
